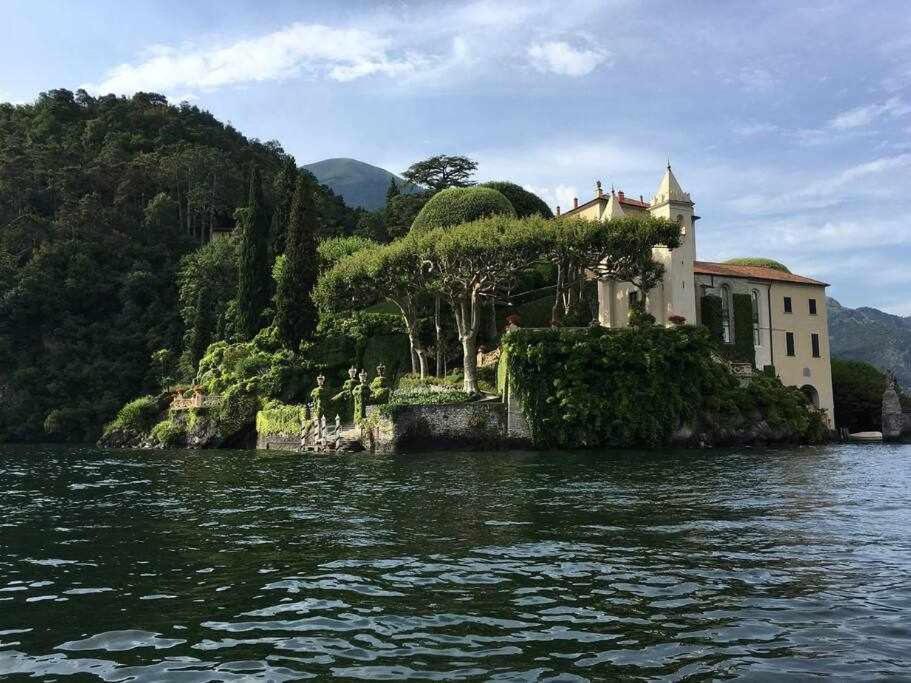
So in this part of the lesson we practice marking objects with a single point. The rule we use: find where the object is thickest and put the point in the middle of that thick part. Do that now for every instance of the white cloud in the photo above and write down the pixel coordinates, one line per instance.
(561, 58)
(342, 54)
(864, 116)
(756, 79)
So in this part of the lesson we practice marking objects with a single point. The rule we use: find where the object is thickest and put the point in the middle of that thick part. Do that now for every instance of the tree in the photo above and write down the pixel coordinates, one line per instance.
(524, 202)
(858, 389)
(254, 280)
(284, 187)
(460, 205)
(472, 262)
(621, 249)
(394, 272)
(392, 191)
(295, 312)
(442, 171)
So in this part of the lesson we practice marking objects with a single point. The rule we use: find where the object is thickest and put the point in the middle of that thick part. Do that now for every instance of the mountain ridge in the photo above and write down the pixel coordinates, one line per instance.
(360, 184)
(873, 336)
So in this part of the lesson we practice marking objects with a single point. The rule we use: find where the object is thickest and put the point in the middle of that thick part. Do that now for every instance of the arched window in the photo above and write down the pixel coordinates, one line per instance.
(726, 326)
(757, 338)
(681, 223)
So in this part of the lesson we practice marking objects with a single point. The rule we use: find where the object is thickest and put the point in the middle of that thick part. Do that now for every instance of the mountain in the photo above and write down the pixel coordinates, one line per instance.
(359, 184)
(870, 335)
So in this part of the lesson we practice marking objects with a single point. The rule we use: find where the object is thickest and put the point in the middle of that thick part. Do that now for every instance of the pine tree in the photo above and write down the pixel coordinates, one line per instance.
(295, 312)
(253, 273)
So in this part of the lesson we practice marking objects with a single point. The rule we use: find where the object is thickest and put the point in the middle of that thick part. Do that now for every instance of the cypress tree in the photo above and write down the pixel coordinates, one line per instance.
(295, 312)
(253, 271)
(284, 186)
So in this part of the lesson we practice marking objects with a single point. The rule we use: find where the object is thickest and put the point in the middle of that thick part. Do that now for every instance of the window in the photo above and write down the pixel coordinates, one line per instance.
(814, 340)
(787, 305)
(633, 299)
(812, 306)
(754, 296)
(726, 335)
(789, 343)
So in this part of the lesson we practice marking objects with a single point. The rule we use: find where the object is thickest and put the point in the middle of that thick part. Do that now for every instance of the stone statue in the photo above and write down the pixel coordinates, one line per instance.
(893, 416)
(379, 387)
(320, 399)
(361, 397)
(345, 398)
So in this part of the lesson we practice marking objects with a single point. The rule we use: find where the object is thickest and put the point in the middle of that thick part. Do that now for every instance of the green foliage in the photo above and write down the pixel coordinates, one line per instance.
(279, 419)
(139, 415)
(207, 281)
(712, 317)
(858, 389)
(334, 249)
(744, 349)
(100, 198)
(400, 212)
(441, 171)
(636, 387)
(460, 205)
(426, 396)
(237, 411)
(295, 312)
(253, 283)
(167, 433)
(524, 202)
(757, 261)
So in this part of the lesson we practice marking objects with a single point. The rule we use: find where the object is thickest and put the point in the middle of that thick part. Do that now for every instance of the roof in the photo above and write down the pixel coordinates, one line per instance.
(753, 273)
(623, 199)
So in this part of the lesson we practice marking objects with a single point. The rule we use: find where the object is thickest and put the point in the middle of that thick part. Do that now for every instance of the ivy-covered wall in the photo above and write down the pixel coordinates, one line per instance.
(741, 348)
(638, 387)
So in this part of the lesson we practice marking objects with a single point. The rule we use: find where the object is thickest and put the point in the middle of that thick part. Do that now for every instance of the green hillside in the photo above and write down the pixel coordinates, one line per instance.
(358, 183)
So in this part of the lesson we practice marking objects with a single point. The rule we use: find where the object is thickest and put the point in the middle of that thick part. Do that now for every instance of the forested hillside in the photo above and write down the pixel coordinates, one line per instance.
(870, 335)
(100, 199)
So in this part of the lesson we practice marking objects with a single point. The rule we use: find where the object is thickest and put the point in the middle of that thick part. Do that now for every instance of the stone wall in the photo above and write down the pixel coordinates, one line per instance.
(277, 443)
(434, 427)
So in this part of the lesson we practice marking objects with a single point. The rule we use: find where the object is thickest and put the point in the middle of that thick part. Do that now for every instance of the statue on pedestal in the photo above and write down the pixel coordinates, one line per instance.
(345, 398)
(379, 387)
(361, 397)
(320, 399)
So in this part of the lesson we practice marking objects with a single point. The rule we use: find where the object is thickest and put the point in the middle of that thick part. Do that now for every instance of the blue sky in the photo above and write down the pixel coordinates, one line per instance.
(788, 123)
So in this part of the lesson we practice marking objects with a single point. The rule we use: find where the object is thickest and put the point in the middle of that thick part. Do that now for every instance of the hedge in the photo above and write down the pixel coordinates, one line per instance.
(457, 205)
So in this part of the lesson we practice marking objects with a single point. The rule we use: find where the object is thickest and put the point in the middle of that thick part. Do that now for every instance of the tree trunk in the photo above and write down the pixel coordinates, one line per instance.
(470, 363)
(556, 309)
(492, 323)
(438, 325)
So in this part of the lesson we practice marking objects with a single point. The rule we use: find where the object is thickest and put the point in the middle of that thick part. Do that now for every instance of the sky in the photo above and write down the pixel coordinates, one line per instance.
(789, 123)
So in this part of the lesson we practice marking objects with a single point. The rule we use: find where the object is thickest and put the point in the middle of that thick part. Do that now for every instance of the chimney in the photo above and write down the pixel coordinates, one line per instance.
(598, 189)
(641, 199)
(575, 202)
(558, 209)
(620, 194)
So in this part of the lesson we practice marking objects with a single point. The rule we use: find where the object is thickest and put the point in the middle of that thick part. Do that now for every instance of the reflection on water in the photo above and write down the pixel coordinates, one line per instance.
(763, 565)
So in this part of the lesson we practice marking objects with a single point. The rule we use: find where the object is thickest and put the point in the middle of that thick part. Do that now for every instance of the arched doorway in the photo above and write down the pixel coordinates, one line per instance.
(812, 395)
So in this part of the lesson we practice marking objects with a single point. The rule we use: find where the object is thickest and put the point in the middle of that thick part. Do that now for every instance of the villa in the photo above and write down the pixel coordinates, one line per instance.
(789, 323)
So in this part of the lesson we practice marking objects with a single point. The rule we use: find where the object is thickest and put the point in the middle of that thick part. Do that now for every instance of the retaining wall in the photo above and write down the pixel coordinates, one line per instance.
(479, 425)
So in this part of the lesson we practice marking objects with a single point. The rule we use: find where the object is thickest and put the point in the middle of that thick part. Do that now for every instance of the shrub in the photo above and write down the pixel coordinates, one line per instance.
(167, 433)
(277, 418)
(457, 205)
(524, 202)
(138, 415)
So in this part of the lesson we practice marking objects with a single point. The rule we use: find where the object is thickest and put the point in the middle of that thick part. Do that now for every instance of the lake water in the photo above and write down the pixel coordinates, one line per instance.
(222, 566)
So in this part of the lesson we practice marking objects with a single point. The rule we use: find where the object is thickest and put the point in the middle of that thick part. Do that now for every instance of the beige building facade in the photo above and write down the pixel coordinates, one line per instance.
(790, 322)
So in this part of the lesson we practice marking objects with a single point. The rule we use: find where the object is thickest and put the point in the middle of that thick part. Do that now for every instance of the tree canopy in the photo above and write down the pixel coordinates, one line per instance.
(441, 171)
(524, 202)
(460, 205)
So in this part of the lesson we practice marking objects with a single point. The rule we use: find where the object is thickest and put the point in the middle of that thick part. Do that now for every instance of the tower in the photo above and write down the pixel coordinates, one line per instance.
(678, 293)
